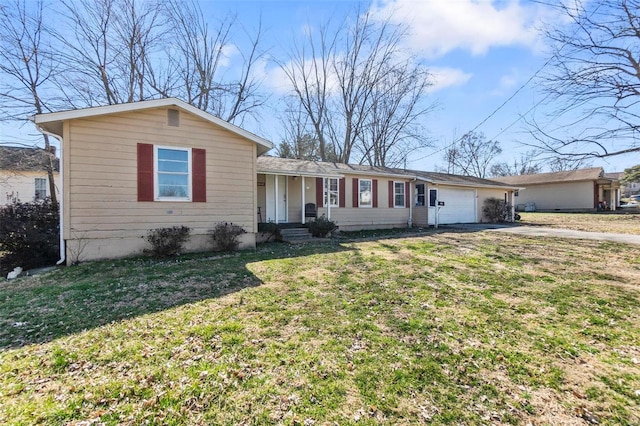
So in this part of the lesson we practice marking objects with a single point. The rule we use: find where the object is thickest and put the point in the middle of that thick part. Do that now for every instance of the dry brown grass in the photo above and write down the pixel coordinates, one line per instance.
(618, 223)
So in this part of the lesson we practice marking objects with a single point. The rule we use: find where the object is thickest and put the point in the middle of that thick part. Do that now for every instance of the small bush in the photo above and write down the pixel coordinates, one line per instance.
(29, 235)
(167, 242)
(272, 229)
(496, 210)
(321, 227)
(224, 236)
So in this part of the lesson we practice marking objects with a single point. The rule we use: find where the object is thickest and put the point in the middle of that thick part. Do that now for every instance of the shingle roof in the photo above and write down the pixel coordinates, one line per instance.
(613, 175)
(593, 173)
(446, 178)
(276, 165)
(25, 159)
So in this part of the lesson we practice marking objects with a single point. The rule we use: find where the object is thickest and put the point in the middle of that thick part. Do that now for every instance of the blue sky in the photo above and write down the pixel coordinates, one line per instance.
(480, 52)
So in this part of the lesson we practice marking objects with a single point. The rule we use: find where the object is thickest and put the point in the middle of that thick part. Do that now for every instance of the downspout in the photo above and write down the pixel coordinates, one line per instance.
(62, 248)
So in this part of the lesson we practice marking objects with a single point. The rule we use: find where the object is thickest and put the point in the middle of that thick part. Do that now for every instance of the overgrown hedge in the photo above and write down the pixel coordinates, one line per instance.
(29, 235)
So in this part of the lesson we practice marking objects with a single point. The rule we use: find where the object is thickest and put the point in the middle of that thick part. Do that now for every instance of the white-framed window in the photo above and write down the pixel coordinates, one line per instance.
(331, 190)
(41, 188)
(366, 193)
(172, 177)
(420, 194)
(398, 194)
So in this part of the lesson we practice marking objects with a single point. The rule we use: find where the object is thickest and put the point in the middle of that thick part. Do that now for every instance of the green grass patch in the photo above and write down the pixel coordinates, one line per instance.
(442, 329)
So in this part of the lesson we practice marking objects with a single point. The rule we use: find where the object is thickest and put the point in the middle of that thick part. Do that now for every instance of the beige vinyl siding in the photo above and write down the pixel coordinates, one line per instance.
(101, 185)
(350, 218)
(559, 196)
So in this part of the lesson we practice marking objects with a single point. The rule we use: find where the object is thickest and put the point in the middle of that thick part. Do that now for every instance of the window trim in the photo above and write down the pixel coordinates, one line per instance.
(365, 206)
(44, 182)
(396, 194)
(156, 172)
(327, 193)
(423, 195)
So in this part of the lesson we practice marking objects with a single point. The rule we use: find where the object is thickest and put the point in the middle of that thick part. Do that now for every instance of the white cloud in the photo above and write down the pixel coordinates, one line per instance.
(441, 26)
(447, 77)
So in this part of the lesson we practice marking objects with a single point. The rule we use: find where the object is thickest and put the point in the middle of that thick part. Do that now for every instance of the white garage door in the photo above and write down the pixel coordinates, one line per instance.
(459, 206)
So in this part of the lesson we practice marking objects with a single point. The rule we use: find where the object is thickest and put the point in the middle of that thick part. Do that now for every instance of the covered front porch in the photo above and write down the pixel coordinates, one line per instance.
(292, 199)
(607, 194)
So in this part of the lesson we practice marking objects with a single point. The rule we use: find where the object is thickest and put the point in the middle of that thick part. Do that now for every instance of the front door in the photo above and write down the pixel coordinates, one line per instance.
(433, 205)
(276, 189)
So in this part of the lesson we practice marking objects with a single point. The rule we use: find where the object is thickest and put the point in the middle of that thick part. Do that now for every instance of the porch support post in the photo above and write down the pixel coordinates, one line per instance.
(327, 191)
(303, 201)
(513, 205)
(612, 198)
(275, 187)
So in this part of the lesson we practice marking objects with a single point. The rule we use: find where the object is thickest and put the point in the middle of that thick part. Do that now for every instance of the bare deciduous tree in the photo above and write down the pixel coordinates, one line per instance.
(299, 139)
(308, 71)
(392, 129)
(345, 79)
(198, 58)
(561, 164)
(526, 165)
(109, 50)
(472, 155)
(594, 81)
(26, 69)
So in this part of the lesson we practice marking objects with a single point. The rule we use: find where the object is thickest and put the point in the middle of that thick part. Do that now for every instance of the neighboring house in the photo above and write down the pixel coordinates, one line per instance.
(294, 191)
(23, 174)
(627, 189)
(575, 190)
(131, 168)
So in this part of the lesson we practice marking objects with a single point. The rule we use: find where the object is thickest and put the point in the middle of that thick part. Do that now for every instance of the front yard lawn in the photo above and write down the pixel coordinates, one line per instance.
(447, 328)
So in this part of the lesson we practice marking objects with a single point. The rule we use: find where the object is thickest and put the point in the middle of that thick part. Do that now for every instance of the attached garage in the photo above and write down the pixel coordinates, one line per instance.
(459, 206)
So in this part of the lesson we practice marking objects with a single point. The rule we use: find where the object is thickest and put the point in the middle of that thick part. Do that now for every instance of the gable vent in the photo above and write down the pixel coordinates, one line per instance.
(173, 117)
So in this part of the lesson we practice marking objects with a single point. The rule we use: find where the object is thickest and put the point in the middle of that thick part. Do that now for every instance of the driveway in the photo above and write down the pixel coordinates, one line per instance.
(535, 231)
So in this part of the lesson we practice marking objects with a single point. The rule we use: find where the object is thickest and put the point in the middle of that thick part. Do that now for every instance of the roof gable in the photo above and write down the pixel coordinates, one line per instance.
(52, 122)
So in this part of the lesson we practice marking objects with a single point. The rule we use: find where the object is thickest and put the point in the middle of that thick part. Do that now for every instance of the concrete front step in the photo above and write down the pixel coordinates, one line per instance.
(296, 235)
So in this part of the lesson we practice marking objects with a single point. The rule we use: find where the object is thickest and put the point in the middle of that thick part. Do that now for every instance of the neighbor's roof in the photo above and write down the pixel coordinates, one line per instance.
(26, 159)
(52, 122)
(592, 174)
(613, 175)
(292, 167)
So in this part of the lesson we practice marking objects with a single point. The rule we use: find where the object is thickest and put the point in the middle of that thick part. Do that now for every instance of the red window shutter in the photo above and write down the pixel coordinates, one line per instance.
(407, 194)
(391, 194)
(342, 190)
(355, 192)
(198, 175)
(375, 193)
(145, 172)
(319, 192)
